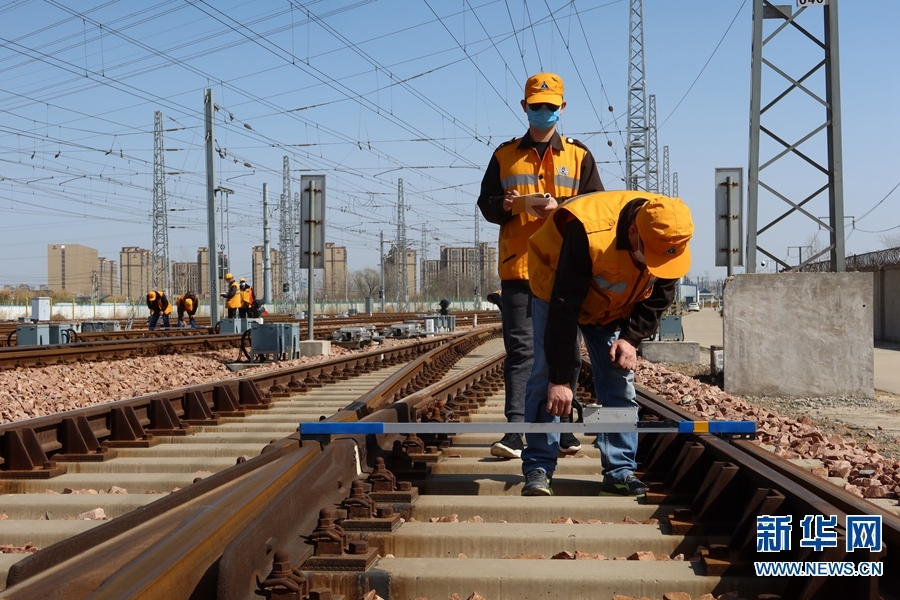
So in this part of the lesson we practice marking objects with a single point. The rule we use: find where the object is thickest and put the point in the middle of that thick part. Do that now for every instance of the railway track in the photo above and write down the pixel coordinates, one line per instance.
(42, 356)
(114, 345)
(324, 325)
(263, 525)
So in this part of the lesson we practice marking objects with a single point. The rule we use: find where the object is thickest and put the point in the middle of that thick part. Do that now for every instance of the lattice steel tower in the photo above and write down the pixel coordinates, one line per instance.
(160, 221)
(285, 235)
(665, 172)
(807, 165)
(402, 275)
(637, 150)
(653, 148)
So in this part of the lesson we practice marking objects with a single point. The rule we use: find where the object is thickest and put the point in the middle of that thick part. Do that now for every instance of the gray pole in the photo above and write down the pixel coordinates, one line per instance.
(211, 210)
(835, 143)
(479, 280)
(267, 260)
(381, 237)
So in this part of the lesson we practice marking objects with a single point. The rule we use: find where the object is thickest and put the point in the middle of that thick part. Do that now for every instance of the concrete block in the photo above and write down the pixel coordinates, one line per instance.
(716, 360)
(315, 347)
(676, 353)
(799, 334)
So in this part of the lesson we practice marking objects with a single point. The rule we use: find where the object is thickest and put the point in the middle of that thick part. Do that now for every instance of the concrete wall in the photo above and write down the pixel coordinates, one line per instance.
(799, 334)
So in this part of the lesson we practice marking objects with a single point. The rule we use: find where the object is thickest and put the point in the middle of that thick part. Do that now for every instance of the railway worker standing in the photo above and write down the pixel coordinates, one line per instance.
(539, 162)
(232, 296)
(187, 305)
(605, 264)
(159, 307)
(247, 300)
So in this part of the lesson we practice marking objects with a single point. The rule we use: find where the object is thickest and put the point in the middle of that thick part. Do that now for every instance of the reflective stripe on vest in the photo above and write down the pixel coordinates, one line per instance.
(524, 171)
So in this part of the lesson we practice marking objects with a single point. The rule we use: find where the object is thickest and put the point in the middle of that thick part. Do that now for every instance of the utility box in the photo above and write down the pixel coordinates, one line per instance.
(61, 333)
(40, 309)
(97, 326)
(33, 335)
(670, 328)
(280, 341)
(238, 325)
(440, 323)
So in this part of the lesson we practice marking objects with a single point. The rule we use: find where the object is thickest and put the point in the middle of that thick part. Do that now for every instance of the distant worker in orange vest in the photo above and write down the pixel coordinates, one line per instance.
(232, 296)
(247, 300)
(187, 305)
(159, 307)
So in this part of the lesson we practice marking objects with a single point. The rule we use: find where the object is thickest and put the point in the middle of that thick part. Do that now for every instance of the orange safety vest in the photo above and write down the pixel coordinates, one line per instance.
(183, 301)
(524, 171)
(247, 297)
(618, 283)
(158, 304)
(234, 301)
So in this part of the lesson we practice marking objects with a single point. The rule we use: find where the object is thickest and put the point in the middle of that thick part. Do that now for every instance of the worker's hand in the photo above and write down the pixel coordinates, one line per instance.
(623, 355)
(559, 399)
(508, 200)
(544, 211)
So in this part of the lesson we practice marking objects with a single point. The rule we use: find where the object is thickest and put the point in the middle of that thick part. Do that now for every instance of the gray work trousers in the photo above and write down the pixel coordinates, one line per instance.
(517, 341)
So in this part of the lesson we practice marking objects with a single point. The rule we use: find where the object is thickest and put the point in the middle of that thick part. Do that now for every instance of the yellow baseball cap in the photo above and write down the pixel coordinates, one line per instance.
(151, 296)
(666, 227)
(544, 87)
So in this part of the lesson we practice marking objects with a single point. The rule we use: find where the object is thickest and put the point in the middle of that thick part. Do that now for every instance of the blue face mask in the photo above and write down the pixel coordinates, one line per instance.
(543, 118)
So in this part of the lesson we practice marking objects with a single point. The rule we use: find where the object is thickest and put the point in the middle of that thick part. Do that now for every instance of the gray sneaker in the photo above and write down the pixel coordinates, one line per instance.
(537, 484)
(630, 486)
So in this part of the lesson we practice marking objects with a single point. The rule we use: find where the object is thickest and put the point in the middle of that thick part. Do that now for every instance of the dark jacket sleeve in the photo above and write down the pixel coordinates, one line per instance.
(590, 176)
(570, 288)
(492, 193)
(163, 303)
(645, 318)
(232, 290)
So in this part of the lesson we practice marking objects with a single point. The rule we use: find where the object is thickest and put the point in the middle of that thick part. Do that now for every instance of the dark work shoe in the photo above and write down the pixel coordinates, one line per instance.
(510, 446)
(537, 484)
(630, 486)
(568, 444)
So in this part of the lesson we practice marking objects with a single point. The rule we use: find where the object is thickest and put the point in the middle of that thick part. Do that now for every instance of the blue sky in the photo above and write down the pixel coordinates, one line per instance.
(367, 92)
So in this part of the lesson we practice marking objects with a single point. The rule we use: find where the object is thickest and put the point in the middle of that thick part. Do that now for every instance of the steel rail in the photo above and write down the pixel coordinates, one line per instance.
(42, 356)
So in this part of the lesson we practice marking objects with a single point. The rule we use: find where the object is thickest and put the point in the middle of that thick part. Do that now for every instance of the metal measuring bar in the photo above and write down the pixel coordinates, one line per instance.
(595, 419)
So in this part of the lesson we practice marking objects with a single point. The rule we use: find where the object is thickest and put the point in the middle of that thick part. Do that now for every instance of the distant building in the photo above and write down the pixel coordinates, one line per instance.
(391, 276)
(456, 272)
(108, 277)
(71, 268)
(334, 285)
(136, 272)
(256, 261)
(203, 273)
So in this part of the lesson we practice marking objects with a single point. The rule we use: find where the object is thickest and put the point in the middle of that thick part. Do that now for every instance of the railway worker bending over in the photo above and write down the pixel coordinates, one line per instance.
(159, 307)
(187, 305)
(605, 264)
